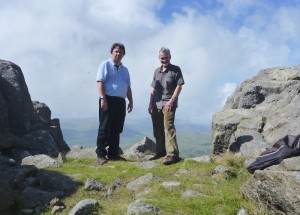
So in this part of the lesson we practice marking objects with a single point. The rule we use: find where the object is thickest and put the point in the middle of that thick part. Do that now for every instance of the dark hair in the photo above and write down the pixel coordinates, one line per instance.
(115, 45)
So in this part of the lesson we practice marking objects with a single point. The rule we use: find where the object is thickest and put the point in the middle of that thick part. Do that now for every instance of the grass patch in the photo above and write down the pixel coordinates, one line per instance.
(220, 195)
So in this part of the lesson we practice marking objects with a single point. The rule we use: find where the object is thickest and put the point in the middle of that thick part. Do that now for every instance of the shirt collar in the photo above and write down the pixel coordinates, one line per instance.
(111, 61)
(168, 67)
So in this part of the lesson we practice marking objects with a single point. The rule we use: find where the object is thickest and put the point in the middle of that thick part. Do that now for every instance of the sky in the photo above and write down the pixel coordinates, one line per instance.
(218, 44)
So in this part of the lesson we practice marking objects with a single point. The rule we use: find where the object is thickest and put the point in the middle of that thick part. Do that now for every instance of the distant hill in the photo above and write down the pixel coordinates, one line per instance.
(193, 139)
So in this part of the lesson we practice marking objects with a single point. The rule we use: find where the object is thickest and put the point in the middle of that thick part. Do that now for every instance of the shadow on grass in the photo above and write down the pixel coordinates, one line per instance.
(30, 188)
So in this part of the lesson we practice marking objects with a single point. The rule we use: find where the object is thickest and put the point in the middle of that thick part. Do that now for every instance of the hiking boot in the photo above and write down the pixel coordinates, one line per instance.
(170, 159)
(102, 160)
(156, 157)
(117, 158)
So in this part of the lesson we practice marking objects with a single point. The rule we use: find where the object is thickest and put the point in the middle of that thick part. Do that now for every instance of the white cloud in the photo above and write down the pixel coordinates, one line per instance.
(59, 45)
(226, 90)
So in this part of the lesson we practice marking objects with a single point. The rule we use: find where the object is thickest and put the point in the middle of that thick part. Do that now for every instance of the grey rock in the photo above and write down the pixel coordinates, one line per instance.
(42, 110)
(56, 202)
(40, 161)
(57, 209)
(140, 149)
(84, 207)
(40, 142)
(93, 184)
(262, 110)
(62, 158)
(275, 191)
(134, 185)
(79, 152)
(26, 130)
(58, 206)
(118, 182)
(242, 211)
(57, 135)
(16, 109)
(142, 208)
(76, 147)
(289, 164)
(222, 169)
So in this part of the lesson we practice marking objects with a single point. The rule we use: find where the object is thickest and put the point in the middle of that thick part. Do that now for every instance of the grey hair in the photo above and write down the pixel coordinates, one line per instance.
(165, 50)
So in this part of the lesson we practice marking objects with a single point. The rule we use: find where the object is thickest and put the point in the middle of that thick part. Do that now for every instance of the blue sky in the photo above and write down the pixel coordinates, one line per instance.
(59, 45)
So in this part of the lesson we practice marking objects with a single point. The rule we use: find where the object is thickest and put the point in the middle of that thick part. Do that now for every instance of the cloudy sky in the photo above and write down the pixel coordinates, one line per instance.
(59, 45)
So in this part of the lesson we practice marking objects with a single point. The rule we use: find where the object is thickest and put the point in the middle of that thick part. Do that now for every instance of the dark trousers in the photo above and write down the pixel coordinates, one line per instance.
(111, 124)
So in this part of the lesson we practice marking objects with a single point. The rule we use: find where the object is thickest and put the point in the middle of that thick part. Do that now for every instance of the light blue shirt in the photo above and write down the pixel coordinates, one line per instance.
(116, 80)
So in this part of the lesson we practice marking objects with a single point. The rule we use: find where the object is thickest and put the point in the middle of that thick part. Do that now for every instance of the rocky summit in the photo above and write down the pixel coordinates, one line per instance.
(262, 110)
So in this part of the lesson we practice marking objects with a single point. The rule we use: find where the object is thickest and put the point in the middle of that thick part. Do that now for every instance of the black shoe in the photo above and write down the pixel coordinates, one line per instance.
(156, 157)
(117, 158)
(170, 159)
(102, 160)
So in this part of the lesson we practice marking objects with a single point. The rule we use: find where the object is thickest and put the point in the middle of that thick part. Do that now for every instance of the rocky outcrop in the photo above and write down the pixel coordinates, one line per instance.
(25, 125)
(262, 110)
(28, 135)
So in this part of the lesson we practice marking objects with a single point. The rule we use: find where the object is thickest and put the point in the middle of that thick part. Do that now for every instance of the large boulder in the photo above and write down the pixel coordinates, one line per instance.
(26, 129)
(25, 125)
(15, 102)
(262, 110)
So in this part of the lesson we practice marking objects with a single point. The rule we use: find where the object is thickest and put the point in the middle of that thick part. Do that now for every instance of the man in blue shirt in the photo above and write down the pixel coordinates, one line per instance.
(113, 82)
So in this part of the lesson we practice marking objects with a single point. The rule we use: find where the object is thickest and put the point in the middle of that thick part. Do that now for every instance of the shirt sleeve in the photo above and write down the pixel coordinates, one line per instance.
(102, 72)
(153, 80)
(180, 80)
(128, 81)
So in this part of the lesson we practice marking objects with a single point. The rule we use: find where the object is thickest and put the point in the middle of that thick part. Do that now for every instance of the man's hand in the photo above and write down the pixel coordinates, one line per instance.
(150, 109)
(169, 105)
(103, 104)
(129, 107)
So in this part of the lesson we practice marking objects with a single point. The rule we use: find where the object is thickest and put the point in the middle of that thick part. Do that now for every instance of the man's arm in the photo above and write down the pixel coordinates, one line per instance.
(176, 92)
(175, 96)
(129, 96)
(150, 107)
(101, 92)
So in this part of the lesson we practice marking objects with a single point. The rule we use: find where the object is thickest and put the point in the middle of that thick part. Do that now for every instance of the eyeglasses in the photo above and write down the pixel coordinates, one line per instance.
(118, 51)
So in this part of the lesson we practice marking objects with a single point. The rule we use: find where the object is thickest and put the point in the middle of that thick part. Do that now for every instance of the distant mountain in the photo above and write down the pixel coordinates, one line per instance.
(193, 139)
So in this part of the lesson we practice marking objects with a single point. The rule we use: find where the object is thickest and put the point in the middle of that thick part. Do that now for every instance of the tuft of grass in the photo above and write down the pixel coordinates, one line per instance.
(231, 160)
(219, 195)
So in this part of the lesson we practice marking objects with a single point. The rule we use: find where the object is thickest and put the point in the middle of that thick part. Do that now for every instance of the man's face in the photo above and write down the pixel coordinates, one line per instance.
(117, 55)
(164, 58)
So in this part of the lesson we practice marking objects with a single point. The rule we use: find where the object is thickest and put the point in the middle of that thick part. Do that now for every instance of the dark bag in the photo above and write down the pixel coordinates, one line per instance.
(286, 147)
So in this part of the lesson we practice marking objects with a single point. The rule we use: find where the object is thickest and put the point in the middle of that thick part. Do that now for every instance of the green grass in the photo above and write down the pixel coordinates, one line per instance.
(223, 192)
